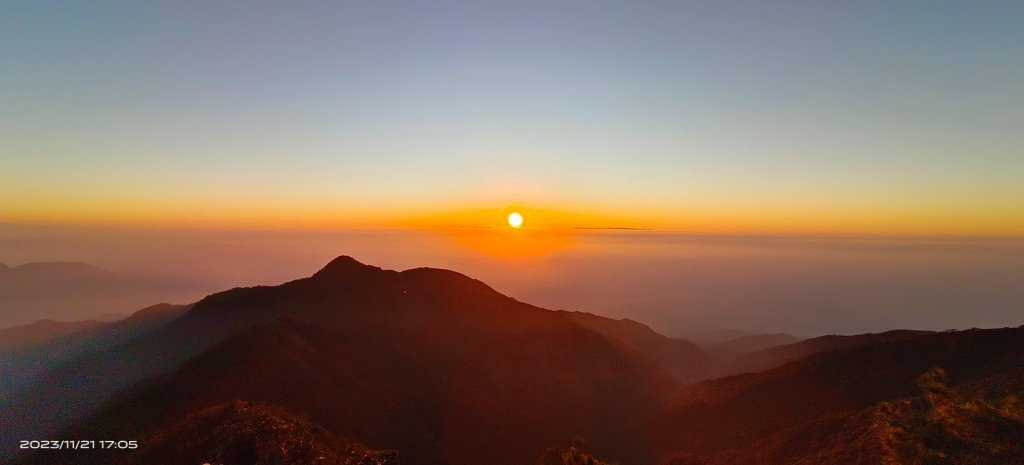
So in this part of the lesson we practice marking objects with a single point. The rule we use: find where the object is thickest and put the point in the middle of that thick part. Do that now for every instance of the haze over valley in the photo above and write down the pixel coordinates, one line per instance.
(681, 284)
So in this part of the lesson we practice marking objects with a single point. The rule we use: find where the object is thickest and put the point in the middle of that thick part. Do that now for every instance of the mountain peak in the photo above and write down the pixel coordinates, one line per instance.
(57, 267)
(344, 267)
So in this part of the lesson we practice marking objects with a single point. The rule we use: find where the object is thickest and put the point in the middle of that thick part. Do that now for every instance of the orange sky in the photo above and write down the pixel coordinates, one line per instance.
(728, 219)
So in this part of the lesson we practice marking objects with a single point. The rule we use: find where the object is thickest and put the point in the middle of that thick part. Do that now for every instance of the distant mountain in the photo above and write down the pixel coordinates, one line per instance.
(780, 354)
(73, 291)
(429, 362)
(715, 417)
(679, 357)
(41, 331)
(728, 350)
(710, 338)
(33, 349)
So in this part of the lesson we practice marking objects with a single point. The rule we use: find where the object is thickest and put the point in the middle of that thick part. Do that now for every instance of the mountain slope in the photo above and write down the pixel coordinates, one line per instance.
(733, 348)
(40, 332)
(46, 345)
(244, 433)
(731, 412)
(771, 357)
(429, 362)
(677, 356)
(73, 291)
(978, 423)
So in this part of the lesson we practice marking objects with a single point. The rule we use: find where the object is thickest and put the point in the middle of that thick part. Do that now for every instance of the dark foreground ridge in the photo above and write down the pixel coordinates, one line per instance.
(246, 433)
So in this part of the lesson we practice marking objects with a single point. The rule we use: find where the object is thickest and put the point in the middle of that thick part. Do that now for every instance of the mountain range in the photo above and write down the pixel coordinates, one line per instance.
(358, 364)
(76, 291)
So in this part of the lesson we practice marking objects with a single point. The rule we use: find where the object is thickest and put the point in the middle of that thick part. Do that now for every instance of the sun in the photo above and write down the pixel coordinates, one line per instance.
(515, 219)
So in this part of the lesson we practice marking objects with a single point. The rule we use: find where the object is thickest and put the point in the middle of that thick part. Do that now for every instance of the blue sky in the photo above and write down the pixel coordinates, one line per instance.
(866, 116)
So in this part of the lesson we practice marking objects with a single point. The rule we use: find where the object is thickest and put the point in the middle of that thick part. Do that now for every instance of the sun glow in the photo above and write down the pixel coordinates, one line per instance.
(515, 219)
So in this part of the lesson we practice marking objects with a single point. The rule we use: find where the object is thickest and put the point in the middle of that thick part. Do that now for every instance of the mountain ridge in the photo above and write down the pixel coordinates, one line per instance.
(446, 370)
(725, 413)
(495, 346)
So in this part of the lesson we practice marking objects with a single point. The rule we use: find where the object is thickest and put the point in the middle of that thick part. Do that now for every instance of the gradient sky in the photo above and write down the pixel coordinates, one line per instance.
(860, 117)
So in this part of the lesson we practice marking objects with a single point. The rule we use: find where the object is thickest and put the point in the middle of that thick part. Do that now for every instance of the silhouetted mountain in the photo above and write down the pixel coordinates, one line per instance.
(40, 332)
(711, 338)
(778, 355)
(730, 413)
(429, 362)
(72, 291)
(26, 370)
(679, 357)
(446, 370)
(978, 423)
(52, 268)
(725, 352)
